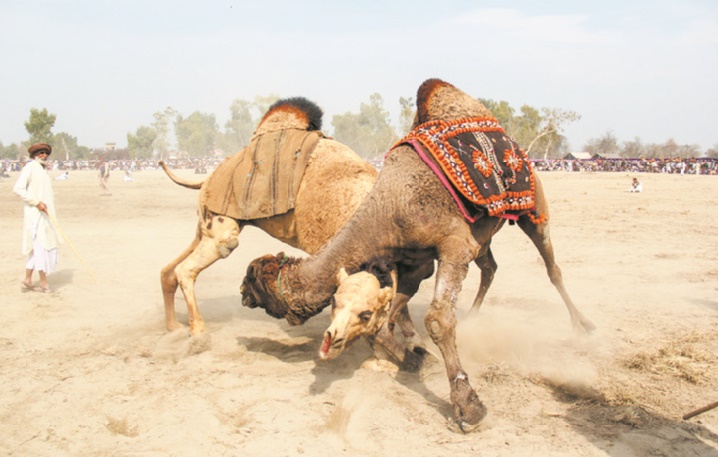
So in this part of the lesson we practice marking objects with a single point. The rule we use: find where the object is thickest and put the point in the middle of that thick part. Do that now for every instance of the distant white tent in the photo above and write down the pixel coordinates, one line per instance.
(578, 156)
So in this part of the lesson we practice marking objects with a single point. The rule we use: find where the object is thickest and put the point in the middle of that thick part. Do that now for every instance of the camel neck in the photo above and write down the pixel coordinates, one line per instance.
(347, 250)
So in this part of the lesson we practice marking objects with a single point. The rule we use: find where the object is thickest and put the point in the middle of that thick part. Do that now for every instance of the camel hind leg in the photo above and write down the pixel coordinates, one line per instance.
(488, 266)
(219, 237)
(539, 235)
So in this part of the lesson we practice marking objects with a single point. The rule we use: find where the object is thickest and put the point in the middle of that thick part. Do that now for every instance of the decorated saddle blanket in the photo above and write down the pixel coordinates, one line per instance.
(484, 170)
(263, 179)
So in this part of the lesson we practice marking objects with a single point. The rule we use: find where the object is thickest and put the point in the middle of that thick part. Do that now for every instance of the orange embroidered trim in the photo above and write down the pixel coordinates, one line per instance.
(542, 218)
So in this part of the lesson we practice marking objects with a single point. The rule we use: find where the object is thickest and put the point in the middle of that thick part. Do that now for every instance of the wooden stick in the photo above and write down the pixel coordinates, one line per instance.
(700, 410)
(87, 269)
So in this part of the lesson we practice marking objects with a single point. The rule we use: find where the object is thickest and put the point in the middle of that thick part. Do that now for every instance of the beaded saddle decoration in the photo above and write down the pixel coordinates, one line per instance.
(485, 171)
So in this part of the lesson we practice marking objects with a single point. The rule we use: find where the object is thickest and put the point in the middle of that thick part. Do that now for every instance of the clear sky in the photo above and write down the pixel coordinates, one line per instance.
(646, 69)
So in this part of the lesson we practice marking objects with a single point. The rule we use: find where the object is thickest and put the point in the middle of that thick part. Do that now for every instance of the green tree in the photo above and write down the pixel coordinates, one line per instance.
(12, 151)
(606, 145)
(262, 104)
(712, 152)
(368, 132)
(239, 128)
(39, 126)
(141, 143)
(406, 114)
(546, 136)
(502, 111)
(66, 147)
(162, 128)
(633, 149)
(197, 134)
(535, 130)
(244, 118)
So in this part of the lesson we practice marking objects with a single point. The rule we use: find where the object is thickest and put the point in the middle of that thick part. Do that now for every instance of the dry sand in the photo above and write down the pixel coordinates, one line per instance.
(90, 370)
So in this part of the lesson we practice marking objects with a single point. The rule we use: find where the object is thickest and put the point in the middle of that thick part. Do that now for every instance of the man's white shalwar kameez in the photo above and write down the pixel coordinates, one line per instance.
(40, 238)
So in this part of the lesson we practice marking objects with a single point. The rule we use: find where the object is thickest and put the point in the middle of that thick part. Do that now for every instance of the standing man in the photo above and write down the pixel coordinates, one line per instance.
(104, 177)
(40, 238)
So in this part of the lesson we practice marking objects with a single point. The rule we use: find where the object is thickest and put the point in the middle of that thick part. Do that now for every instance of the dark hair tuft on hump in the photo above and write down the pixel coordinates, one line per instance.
(314, 113)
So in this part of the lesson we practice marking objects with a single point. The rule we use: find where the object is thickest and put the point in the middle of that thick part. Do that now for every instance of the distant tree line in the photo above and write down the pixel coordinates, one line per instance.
(368, 131)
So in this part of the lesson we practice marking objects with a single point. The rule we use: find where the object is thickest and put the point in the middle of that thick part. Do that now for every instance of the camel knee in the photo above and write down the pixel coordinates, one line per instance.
(226, 246)
(441, 326)
(185, 277)
(168, 279)
(225, 233)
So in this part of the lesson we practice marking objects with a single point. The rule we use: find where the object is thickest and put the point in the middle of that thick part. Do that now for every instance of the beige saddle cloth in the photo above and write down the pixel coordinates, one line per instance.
(263, 179)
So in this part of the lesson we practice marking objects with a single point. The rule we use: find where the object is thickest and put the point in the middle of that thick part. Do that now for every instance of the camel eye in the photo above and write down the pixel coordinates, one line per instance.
(365, 316)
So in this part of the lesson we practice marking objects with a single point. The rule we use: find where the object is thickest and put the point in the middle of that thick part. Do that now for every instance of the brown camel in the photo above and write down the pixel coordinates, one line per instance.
(411, 220)
(361, 302)
(334, 183)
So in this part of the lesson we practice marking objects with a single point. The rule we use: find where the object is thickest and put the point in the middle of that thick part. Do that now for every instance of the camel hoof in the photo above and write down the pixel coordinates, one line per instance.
(584, 326)
(469, 419)
(196, 329)
(172, 326)
(469, 411)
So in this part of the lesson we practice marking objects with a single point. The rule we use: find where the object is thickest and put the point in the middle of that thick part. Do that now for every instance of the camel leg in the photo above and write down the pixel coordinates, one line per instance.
(410, 358)
(488, 267)
(410, 277)
(220, 236)
(539, 235)
(440, 322)
(168, 280)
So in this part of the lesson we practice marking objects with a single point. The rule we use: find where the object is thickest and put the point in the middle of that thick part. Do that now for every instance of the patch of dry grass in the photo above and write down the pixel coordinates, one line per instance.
(682, 357)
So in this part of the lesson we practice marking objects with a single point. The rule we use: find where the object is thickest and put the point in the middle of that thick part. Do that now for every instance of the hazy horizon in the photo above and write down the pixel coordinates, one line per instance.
(638, 69)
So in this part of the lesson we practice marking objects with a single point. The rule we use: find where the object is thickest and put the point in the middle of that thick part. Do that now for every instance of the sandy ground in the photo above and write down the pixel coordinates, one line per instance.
(90, 370)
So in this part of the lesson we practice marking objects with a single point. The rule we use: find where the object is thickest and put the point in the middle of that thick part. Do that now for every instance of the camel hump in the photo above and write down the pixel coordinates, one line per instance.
(294, 112)
(178, 180)
(437, 99)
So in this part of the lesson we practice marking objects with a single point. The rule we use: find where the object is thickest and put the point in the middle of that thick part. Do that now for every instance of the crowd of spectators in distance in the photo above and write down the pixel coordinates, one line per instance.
(199, 165)
(699, 166)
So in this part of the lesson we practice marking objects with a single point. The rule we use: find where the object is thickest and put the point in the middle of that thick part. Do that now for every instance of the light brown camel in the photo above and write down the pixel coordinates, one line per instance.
(335, 182)
(410, 219)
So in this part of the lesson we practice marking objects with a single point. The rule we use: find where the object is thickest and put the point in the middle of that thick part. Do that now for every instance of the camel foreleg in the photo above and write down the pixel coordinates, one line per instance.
(440, 322)
(169, 283)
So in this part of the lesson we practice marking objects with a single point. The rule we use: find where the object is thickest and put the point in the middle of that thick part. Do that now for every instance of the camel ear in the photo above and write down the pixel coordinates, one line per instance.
(342, 275)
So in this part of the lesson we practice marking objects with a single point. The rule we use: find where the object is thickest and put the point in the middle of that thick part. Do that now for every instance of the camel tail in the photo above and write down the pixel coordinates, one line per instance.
(178, 180)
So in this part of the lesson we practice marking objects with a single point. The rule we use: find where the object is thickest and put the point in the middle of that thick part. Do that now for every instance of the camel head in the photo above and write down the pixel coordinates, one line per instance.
(262, 287)
(259, 287)
(360, 306)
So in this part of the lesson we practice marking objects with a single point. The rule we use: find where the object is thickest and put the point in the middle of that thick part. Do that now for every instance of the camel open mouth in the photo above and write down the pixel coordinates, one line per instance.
(331, 348)
(248, 298)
